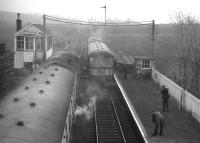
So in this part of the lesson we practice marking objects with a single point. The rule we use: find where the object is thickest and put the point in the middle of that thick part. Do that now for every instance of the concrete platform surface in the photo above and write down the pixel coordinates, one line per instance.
(145, 96)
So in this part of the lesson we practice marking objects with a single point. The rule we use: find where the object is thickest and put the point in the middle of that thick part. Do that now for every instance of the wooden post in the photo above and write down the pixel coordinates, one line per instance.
(44, 37)
(153, 37)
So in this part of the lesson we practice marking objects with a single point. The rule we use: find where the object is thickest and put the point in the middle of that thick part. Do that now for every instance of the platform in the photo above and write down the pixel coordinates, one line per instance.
(145, 96)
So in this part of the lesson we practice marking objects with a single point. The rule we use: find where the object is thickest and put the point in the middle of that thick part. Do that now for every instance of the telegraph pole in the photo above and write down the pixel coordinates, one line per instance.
(105, 22)
(153, 37)
(44, 37)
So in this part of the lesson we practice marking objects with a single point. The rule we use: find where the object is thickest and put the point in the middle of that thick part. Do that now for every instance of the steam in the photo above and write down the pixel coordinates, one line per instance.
(86, 110)
(92, 93)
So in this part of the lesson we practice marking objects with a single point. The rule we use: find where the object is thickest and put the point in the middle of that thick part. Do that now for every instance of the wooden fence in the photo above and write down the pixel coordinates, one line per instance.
(185, 99)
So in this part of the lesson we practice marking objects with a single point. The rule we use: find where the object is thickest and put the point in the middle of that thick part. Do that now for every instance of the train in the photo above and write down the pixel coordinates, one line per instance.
(100, 58)
(40, 109)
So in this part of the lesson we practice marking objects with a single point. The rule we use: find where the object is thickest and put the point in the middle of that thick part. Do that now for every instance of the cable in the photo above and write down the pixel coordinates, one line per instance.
(95, 24)
(87, 22)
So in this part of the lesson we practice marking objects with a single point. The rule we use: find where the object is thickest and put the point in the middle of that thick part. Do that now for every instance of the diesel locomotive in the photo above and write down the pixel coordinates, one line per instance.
(100, 58)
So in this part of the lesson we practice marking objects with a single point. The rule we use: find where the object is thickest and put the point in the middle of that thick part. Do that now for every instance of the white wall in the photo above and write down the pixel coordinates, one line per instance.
(187, 100)
(49, 53)
(18, 59)
(29, 56)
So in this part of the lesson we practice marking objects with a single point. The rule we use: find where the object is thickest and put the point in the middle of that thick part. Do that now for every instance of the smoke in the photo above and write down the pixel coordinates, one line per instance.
(86, 110)
(92, 93)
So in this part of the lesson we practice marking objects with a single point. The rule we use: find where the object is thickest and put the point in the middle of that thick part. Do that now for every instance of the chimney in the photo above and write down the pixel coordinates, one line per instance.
(18, 22)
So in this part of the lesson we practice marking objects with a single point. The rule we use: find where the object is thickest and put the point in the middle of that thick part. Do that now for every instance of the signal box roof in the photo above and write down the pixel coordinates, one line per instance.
(33, 30)
(144, 58)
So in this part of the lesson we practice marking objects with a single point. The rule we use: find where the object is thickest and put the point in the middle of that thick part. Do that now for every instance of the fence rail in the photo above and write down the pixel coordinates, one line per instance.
(184, 98)
(6, 64)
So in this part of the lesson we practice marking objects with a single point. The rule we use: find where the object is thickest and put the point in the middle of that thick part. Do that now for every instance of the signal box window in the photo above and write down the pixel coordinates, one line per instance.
(101, 70)
(146, 64)
(49, 42)
(38, 43)
(20, 43)
(29, 43)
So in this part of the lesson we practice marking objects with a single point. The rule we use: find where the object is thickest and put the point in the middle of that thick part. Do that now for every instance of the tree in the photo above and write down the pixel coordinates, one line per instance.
(188, 34)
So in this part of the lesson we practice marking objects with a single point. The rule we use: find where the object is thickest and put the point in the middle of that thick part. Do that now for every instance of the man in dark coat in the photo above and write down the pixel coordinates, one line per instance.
(165, 98)
(159, 120)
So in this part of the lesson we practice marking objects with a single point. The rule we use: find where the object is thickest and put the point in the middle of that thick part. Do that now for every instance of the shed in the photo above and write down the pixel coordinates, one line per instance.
(144, 64)
(29, 46)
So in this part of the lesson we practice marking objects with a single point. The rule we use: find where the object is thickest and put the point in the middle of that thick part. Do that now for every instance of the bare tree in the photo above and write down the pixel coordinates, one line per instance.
(188, 34)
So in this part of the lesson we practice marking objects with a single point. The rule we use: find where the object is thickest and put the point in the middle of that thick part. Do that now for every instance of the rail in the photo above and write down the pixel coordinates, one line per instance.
(107, 122)
(132, 110)
(117, 117)
(96, 127)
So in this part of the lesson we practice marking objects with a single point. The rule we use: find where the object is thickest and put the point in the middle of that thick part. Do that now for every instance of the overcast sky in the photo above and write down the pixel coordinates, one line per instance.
(136, 10)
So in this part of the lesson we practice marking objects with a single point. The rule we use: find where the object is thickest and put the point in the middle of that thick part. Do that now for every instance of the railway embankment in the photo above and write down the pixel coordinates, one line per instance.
(145, 96)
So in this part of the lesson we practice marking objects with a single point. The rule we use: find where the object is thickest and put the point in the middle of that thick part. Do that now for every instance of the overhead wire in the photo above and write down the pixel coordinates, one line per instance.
(88, 22)
(78, 22)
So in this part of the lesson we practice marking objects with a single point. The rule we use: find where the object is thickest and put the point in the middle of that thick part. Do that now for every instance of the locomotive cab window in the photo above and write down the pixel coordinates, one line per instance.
(146, 64)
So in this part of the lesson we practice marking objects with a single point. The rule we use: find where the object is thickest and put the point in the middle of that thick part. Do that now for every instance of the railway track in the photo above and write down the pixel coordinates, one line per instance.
(108, 126)
(112, 122)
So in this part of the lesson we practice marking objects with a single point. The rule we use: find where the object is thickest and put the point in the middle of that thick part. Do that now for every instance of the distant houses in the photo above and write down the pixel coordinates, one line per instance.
(29, 49)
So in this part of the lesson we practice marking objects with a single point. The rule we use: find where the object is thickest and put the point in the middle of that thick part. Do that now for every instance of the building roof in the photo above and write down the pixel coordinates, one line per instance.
(40, 26)
(118, 56)
(98, 47)
(128, 60)
(33, 30)
(144, 58)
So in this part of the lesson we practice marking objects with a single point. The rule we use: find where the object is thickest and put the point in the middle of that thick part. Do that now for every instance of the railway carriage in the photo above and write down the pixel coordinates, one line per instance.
(94, 39)
(40, 108)
(100, 58)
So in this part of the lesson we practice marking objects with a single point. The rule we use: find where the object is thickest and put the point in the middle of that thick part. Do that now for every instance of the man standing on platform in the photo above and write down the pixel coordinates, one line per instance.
(165, 98)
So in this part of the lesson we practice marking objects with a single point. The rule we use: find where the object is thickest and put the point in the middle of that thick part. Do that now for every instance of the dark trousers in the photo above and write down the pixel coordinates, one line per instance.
(157, 125)
(165, 105)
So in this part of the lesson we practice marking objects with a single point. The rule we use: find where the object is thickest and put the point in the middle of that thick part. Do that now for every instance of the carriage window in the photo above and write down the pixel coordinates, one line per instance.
(20, 43)
(146, 64)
